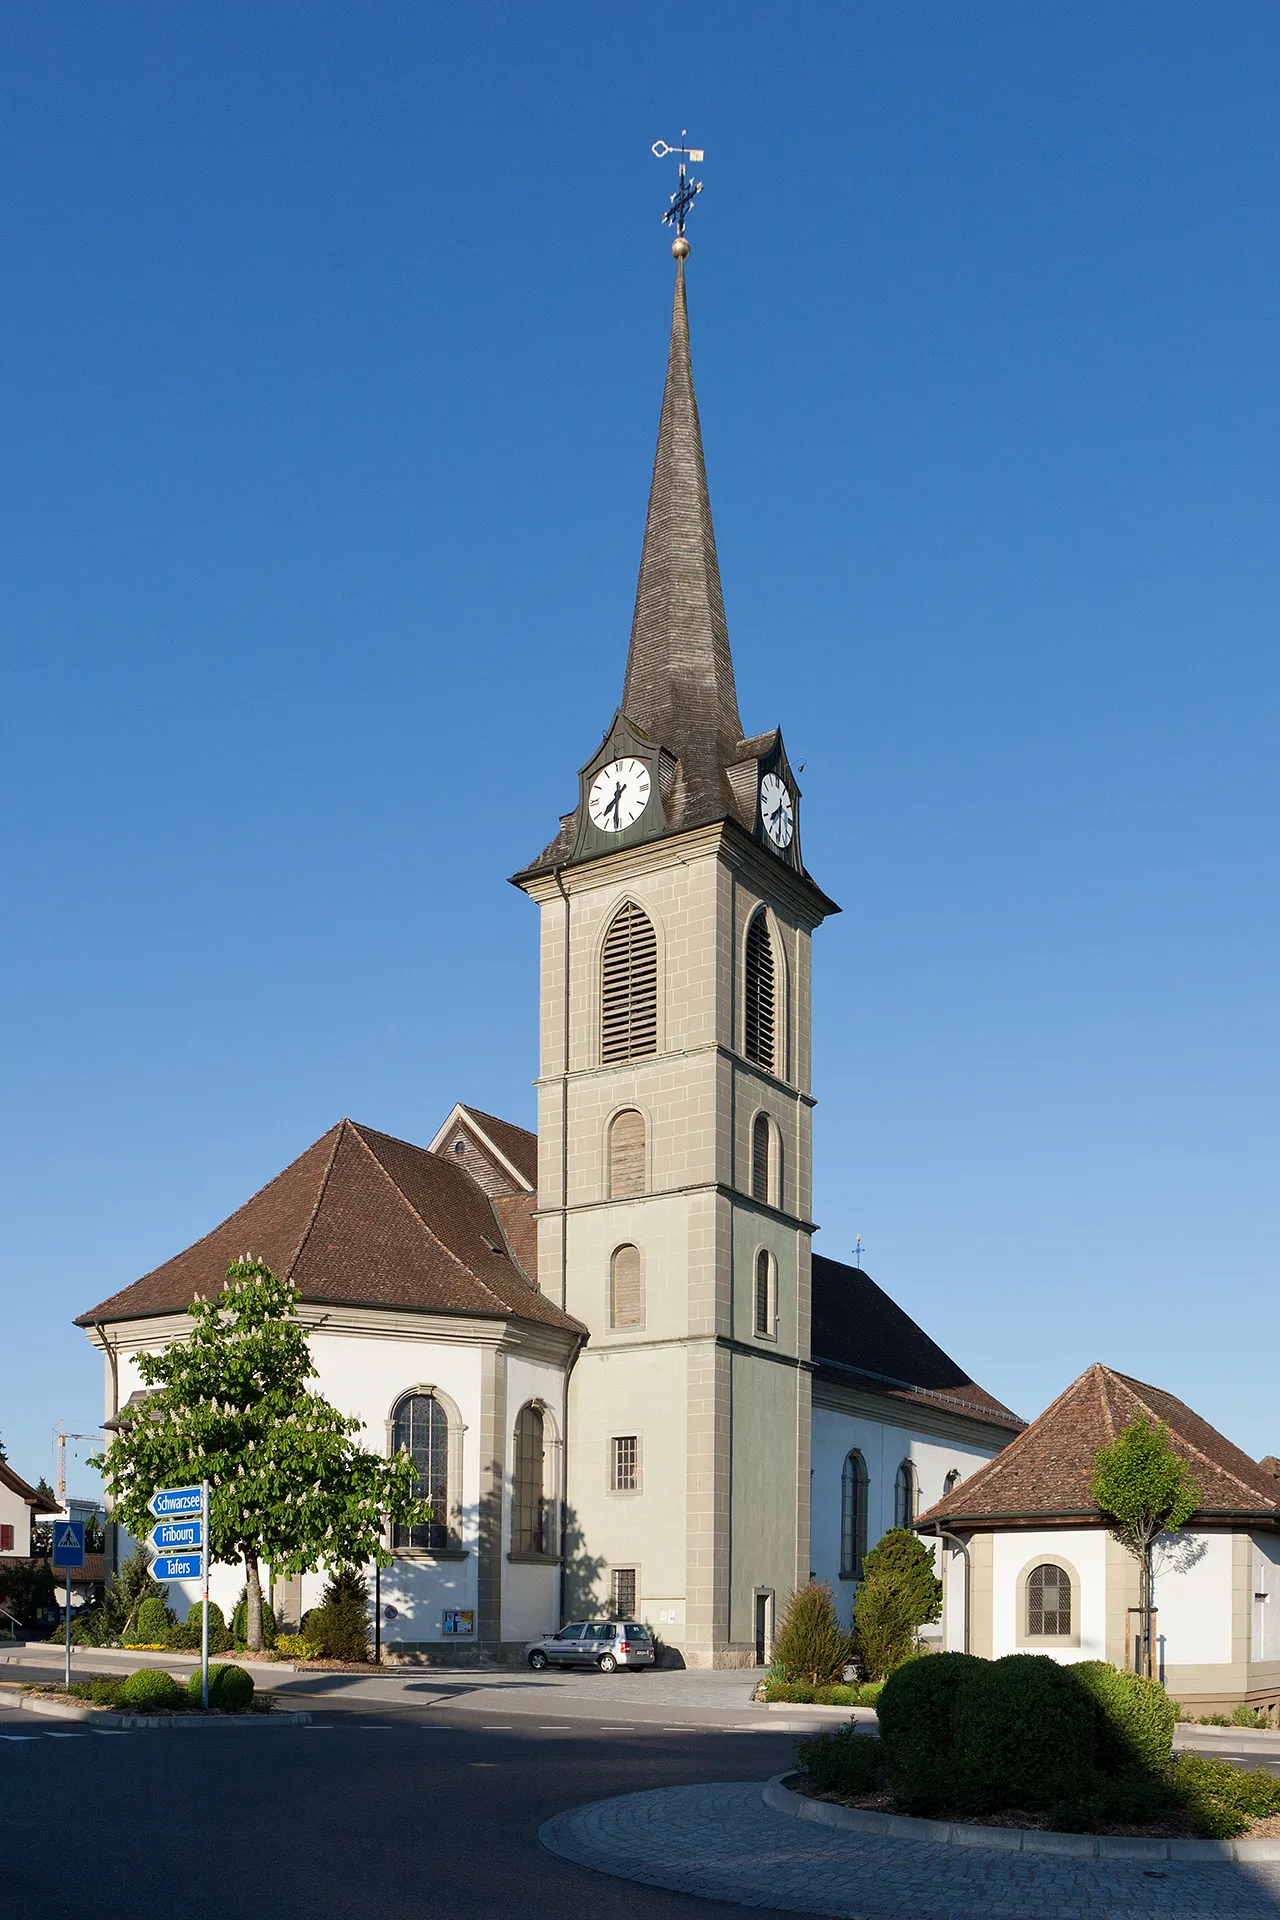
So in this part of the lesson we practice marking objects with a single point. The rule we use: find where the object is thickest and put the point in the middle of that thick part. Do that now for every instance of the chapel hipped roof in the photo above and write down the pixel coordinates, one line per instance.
(1045, 1473)
(363, 1219)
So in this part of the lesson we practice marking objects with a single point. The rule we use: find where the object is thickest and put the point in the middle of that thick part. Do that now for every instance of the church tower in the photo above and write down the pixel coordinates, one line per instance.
(674, 1113)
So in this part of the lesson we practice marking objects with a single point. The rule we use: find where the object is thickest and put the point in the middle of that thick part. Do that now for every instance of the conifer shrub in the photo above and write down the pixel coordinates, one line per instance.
(150, 1687)
(1025, 1733)
(1135, 1720)
(841, 1760)
(151, 1622)
(811, 1645)
(240, 1622)
(230, 1689)
(898, 1594)
(186, 1635)
(339, 1627)
(918, 1709)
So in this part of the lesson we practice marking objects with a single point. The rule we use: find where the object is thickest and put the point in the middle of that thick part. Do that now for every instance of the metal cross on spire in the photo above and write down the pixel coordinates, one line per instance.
(686, 192)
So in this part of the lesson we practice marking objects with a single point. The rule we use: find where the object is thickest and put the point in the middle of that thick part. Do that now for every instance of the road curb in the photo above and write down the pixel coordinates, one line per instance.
(157, 1722)
(1082, 1846)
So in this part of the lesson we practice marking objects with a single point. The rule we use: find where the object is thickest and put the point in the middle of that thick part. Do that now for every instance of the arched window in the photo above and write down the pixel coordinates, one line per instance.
(420, 1426)
(629, 987)
(853, 1516)
(761, 1157)
(528, 1502)
(626, 1288)
(626, 1155)
(1048, 1602)
(906, 1490)
(766, 1314)
(760, 993)
(951, 1482)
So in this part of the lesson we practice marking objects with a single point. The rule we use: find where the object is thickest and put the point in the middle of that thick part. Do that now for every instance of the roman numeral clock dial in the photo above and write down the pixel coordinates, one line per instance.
(619, 795)
(776, 810)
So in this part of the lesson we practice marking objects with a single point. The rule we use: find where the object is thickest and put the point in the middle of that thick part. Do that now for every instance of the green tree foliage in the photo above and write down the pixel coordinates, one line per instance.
(811, 1644)
(289, 1484)
(1143, 1488)
(25, 1587)
(898, 1594)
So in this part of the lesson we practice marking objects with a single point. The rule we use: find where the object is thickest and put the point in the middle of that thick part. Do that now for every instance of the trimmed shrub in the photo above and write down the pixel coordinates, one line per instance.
(240, 1622)
(1136, 1717)
(230, 1689)
(1025, 1733)
(811, 1644)
(150, 1687)
(869, 1695)
(102, 1692)
(292, 1646)
(919, 1707)
(186, 1635)
(151, 1622)
(339, 1632)
(841, 1760)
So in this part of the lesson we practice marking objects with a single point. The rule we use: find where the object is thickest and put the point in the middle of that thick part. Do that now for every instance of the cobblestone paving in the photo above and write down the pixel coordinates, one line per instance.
(723, 1842)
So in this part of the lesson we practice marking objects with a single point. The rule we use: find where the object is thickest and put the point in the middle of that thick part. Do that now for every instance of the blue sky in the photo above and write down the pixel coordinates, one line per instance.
(331, 360)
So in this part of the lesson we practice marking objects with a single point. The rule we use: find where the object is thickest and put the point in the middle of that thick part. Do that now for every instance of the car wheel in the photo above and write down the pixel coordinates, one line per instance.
(607, 1663)
(538, 1660)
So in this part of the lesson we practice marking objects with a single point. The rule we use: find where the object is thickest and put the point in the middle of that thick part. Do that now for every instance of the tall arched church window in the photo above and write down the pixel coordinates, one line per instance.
(761, 993)
(528, 1499)
(626, 1288)
(905, 1496)
(420, 1427)
(760, 1157)
(853, 1516)
(626, 1154)
(629, 987)
(766, 1291)
(1048, 1601)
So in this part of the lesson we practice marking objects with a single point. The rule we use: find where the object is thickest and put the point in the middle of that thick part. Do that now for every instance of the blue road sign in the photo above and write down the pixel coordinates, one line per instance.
(172, 1502)
(173, 1536)
(68, 1544)
(176, 1566)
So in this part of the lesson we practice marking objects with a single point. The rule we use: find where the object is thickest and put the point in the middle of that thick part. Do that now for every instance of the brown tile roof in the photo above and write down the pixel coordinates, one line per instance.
(1046, 1471)
(366, 1220)
(863, 1338)
(515, 1144)
(37, 1501)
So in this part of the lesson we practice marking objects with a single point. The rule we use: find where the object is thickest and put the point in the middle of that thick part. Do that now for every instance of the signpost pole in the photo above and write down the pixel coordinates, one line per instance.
(204, 1581)
(66, 1594)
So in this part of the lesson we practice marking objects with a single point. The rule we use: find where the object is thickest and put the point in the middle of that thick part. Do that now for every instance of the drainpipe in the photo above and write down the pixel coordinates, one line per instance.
(564, 1110)
(941, 1533)
(113, 1363)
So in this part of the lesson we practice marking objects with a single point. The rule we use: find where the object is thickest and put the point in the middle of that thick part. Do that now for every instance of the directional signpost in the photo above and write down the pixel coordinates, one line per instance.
(181, 1540)
(68, 1555)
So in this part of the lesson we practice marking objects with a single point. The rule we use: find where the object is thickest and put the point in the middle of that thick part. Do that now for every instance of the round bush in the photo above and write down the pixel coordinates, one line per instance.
(151, 1622)
(1136, 1717)
(917, 1708)
(230, 1688)
(1025, 1733)
(150, 1687)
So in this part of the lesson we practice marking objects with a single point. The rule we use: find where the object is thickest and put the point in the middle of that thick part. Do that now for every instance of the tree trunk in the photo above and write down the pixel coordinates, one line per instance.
(253, 1602)
(1145, 1601)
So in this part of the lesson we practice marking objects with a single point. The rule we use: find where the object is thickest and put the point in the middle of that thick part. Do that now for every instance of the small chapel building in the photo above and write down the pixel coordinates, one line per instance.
(627, 1382)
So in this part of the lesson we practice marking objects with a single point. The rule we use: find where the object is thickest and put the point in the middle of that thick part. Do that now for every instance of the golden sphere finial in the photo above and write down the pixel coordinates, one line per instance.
(680, 248)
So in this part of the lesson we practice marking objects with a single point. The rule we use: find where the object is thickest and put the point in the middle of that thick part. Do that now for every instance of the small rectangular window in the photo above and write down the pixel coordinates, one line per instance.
(6, 1539)
(626, 1463)
(623, 1594)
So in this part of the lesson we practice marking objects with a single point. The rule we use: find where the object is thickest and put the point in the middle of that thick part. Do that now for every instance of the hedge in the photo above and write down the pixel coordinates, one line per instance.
(918, 1710)
(1136, 1717)
(842, 1760)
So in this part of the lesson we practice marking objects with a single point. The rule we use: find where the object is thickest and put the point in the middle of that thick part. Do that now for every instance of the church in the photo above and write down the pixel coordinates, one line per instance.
(629, 1385)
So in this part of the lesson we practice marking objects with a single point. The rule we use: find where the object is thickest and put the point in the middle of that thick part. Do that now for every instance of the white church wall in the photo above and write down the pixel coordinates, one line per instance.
(883, 1445)
(1083, 1551)
(1193, 1599)
(1265, 1598)
(531, 1594)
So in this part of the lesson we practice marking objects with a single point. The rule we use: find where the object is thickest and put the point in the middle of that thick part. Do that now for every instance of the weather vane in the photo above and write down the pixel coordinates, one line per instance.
(686, 192)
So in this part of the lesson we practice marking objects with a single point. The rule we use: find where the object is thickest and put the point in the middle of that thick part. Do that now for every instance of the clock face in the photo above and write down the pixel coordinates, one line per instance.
(619, 795)
(776, 810)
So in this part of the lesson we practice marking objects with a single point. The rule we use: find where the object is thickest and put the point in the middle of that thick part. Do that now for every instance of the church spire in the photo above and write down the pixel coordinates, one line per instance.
(679, 684)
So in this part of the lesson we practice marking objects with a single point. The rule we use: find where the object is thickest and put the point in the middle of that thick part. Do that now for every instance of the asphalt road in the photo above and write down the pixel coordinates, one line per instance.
(404, 1813)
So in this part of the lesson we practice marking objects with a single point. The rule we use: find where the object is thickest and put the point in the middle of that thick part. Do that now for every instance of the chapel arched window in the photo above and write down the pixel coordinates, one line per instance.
(420, 1427)
(1048, 1602)
(626, 1155)
(760, 992)
(529, 1509)
(626, 1288)
(629, 987)
(853, 1516)
(906, 1496)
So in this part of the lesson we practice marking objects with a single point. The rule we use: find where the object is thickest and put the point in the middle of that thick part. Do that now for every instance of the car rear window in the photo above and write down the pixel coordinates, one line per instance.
(640, 1634)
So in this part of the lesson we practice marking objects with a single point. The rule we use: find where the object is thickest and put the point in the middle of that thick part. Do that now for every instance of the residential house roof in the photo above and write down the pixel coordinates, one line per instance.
(37, 1501)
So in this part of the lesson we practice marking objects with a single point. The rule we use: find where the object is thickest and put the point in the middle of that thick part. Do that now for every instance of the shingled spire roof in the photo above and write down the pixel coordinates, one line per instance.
(679, 684)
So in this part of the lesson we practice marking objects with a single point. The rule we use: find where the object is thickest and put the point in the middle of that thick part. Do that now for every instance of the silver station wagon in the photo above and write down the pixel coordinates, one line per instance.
(607, 1644)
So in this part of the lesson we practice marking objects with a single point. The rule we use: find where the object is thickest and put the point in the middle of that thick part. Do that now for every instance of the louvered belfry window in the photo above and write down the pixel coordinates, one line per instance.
(626, 1288)
(626, 1155)
(629, 987)
(760, 993)
(1048, 1601)
(760, 1158)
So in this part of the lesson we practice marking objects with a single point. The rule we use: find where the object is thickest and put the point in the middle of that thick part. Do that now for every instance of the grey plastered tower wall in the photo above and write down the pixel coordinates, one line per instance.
(720, 1410)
